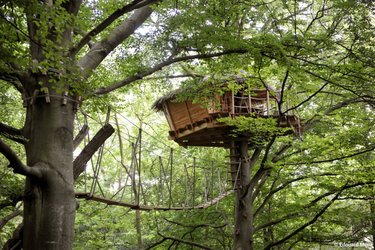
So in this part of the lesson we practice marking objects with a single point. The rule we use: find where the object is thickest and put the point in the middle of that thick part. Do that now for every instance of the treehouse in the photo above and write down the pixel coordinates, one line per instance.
(196, 124)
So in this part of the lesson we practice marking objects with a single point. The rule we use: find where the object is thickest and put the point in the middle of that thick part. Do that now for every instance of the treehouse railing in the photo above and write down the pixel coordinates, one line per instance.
(244, 104)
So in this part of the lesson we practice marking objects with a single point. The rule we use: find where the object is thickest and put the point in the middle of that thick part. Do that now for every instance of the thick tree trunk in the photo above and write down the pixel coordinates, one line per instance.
(49, 205)
(243, 214)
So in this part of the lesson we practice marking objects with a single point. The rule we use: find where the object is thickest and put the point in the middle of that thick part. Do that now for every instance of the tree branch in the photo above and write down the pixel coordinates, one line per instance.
(80, 136)
(312, 203)
(12, 79)
(284, 185)
(136, 4)
(330, 160)
(308, 99)
(100, 50)
(194, 226)
(336, 84)
(72, 6)
(10, 216)
(159, 66)
(185, 242)
(12, 133)
(15, 243)
(156, 244)
(16, 164)
(309, 124)
(261, 171)
(79, 163)
(312, 221)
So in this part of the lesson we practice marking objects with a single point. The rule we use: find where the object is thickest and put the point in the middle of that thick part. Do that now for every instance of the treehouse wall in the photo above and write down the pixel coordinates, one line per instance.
(184, 114)
(193, 124)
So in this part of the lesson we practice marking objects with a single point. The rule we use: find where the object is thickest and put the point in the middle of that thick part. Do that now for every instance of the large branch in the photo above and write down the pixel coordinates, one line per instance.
(311, 204)
(100, 50)
(367, 99)
(161, 65)
(16, 164)
(185, 242)
(311, 122)
(12, 133)
(331, 159)
(136, 4)
(10, 216)
(284, 185)
(312, 221)
(80, 136)
(101, 136)
(308, 99)
(13, 80)
(72, 6)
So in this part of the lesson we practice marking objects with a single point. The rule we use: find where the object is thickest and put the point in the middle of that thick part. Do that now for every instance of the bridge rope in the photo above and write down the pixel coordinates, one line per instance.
(111, 202)
(166, 178)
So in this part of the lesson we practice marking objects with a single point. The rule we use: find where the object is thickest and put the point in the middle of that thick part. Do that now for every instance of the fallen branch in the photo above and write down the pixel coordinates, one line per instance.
(79, 163)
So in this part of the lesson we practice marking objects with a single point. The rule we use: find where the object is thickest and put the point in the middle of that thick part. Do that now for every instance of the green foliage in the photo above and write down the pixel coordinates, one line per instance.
(259, 129)
(295, 47)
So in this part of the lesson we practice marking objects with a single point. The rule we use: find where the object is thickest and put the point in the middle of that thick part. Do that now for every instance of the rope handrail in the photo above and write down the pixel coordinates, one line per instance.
(111, 202)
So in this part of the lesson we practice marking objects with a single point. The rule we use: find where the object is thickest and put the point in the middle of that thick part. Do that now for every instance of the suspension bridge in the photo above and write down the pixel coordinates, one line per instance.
(131, 172)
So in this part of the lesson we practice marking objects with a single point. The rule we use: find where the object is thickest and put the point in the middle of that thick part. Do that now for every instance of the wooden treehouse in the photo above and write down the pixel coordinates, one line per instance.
(197, 124)
(194, 124)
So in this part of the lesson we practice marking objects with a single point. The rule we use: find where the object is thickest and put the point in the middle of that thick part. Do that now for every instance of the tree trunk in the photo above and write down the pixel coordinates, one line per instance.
(372, 210)
(49, 204)
(243, 214)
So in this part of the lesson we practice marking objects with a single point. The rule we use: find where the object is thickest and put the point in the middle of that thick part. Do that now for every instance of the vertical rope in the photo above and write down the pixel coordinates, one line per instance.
(205, 194)
(161, 180)
(212, 179)
(139, 164)
(186, 185)
(194, 162)
(170, 178)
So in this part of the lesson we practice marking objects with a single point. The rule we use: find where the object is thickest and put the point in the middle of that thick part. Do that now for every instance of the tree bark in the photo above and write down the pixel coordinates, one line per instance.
(243, 213)
(372, 210)
(49, 203)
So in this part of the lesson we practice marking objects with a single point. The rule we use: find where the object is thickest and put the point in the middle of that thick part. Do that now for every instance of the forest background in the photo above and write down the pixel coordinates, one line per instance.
(309, 191)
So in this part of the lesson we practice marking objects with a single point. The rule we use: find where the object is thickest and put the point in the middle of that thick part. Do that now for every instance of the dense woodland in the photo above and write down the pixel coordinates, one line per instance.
(85, 159)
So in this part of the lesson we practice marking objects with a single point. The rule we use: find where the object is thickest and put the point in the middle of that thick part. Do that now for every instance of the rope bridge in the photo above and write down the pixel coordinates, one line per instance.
(164, 180)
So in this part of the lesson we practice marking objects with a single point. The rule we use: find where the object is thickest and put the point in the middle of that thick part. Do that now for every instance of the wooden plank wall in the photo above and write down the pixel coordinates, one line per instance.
(184, 114)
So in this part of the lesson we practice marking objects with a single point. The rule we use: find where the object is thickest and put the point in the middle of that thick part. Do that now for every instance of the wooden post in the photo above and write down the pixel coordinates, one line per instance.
(138, 193)
(212, 179)
(186, 185)
(232, 104)
(249, 103)
(194, 162)
(139, 164)
(48, 99)
(65, 98)
(170, 178)
(133, 167)
(161, 171)
(205, 194)
(268, 102)
(219, 180)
